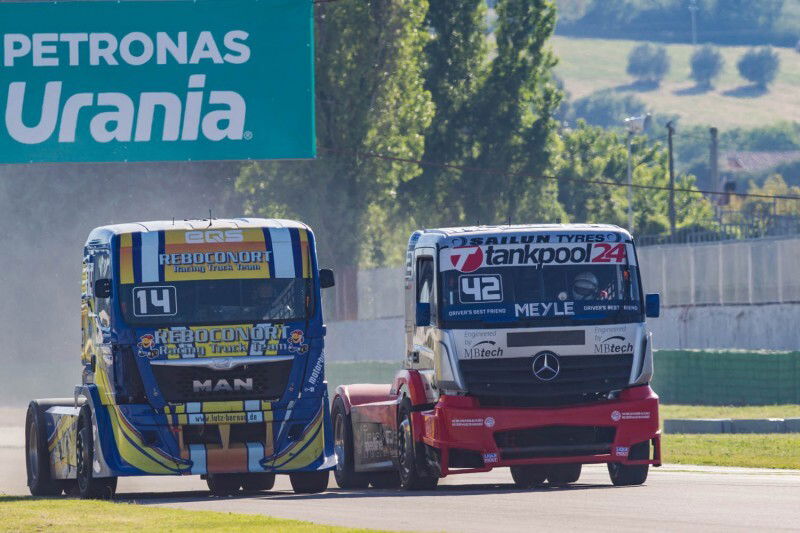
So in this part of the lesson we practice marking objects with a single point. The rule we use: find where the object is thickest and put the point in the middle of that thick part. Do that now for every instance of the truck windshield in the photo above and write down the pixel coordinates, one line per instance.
(540, 295)
(188, 303)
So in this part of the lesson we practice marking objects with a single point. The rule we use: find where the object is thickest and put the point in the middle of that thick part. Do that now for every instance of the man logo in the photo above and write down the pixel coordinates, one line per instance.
(214, 235)
(466, 258)
(222, 385)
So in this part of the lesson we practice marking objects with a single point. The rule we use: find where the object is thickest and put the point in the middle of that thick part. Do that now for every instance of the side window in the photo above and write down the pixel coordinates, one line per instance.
(102, 270)
(425, 280)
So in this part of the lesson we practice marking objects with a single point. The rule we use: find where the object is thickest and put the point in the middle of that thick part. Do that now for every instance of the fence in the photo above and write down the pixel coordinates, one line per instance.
(759, 271)
(762, 271)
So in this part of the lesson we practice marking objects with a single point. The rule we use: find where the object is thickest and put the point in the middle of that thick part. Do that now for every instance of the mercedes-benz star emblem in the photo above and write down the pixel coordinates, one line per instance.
(546, 366)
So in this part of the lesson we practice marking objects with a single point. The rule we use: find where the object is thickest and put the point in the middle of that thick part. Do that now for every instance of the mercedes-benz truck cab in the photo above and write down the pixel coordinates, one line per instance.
(526, 347)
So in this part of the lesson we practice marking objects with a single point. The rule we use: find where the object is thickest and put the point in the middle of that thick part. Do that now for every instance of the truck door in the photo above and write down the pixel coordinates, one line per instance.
(423, 342)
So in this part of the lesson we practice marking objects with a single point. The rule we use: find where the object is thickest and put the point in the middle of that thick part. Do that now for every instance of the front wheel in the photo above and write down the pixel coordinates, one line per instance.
(224, 484)
(309, 482)
(528, 476)
(258, 482)
(627, 475)
(90, 487)
(564, 474)
(413, 472)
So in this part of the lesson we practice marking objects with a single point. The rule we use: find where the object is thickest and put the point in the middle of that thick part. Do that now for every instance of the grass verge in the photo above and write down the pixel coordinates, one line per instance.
(754, 451)
(29, 514)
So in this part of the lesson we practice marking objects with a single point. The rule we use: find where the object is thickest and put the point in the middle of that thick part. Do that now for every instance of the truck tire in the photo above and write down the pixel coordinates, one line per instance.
(385, 480)
(90, 487)
(626, 475)
(528, 476)
(345, 473)
(564, 474)
(37, 456)
(309, 482)
(224, 484)
(414, 474)
(258, 482)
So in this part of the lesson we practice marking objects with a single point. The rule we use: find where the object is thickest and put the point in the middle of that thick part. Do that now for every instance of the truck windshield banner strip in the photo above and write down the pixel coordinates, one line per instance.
(252, 253)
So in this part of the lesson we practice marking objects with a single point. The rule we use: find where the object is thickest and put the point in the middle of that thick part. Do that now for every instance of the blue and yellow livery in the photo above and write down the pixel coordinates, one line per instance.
(202, 355)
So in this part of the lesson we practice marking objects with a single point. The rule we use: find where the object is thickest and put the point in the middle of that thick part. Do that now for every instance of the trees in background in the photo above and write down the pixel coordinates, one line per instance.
(370, 98)
(706, 64)
(759, 65)
(461, 134)
(648, 63)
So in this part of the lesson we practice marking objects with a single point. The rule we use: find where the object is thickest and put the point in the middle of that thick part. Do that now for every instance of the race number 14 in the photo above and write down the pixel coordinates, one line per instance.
(154, 301)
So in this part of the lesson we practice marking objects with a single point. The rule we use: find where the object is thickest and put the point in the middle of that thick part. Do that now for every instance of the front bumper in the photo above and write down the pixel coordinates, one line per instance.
(459, 426)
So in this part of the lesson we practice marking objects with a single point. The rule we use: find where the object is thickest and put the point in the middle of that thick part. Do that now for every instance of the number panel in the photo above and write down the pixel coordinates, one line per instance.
(155, 301)
(480, 289)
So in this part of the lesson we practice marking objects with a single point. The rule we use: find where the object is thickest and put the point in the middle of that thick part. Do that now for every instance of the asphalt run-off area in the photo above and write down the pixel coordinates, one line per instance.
(675, 497)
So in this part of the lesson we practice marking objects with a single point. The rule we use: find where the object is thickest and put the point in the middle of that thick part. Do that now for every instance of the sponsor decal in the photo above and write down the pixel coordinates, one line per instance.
(537, 309)
(466, 422)
(536, 238)
(482, 350)
(201, 341)
(489, 422)
(296, 343)
(214, 235)
(467, 258)
(470, 258)
(147, 347)
(490, 458)
(316, 372)
(479, 334)
(635, 415)
(616, 416)
(613, 345)
(621, 451)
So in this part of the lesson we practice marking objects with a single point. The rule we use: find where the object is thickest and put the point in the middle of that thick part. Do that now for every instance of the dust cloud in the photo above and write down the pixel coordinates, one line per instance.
(46, 213)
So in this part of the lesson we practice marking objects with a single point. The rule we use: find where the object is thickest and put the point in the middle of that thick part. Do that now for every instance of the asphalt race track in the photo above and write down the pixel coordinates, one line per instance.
(674, 498)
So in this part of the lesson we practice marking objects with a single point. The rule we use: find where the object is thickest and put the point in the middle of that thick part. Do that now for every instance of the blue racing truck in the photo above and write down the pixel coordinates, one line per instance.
(202, 354)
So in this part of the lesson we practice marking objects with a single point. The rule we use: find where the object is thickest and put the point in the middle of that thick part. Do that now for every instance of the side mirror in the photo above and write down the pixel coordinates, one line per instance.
(423, 314)
(102, 288)
(652, 305)
(326, 278)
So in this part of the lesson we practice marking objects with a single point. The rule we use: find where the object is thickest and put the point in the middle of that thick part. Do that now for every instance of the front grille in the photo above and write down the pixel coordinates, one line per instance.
(176, 383)
(555, 441)
(511, 383)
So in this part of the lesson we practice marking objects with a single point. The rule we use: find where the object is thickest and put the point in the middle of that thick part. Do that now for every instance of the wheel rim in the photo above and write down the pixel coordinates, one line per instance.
(33, 451)
(338, 443)
(82, 456)
(405, 442)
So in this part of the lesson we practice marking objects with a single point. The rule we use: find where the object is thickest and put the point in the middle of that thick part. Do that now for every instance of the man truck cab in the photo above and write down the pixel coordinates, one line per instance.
(202, 354)
(526, 347)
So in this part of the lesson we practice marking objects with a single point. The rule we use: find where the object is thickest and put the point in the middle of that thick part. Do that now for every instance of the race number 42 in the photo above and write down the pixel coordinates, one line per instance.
(479, 289)
(154, 301)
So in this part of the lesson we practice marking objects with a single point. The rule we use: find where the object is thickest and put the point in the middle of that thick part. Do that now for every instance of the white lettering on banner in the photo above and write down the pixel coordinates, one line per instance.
(535, 309)
(222, 123)
(470, 258)
(135, 48)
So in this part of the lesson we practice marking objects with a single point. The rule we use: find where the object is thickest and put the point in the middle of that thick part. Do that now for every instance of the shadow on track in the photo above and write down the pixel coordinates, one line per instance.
(155, 498)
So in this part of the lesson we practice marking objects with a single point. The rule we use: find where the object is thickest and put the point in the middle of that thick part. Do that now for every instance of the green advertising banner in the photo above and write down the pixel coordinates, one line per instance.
(156, 80)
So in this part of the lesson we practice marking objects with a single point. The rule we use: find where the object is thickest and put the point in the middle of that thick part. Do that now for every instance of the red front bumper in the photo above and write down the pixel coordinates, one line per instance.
(458, 422)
